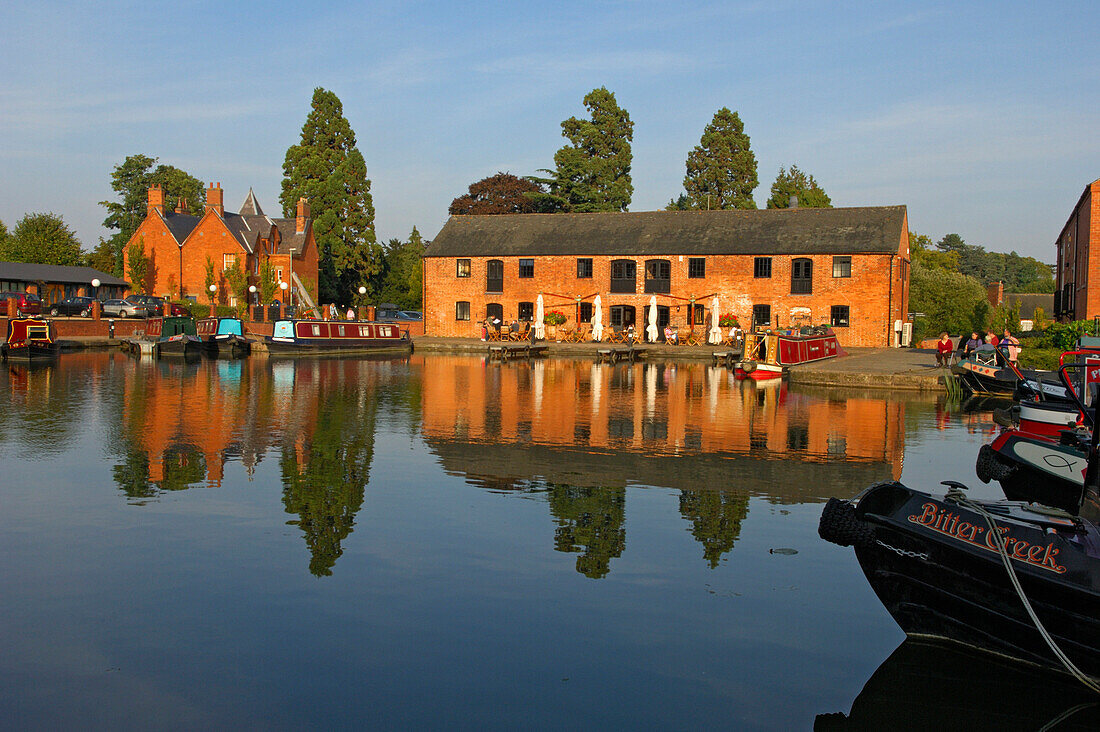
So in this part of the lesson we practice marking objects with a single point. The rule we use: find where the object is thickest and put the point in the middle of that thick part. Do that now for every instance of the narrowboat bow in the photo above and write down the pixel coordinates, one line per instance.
(173, 336)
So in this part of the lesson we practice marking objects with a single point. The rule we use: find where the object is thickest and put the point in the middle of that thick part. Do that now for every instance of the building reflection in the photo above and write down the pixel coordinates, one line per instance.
(587, 431)
(182, 422)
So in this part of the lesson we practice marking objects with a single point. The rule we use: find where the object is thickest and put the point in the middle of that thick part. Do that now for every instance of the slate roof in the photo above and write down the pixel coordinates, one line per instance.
(874, 230)
(23, 272)
(247, 227)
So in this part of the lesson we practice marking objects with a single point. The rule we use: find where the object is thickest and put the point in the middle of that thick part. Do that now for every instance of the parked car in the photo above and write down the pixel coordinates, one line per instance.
(412, 314)
(389, 312)
(29, 303)
(81, 306)
(123, 309)
(155, 305)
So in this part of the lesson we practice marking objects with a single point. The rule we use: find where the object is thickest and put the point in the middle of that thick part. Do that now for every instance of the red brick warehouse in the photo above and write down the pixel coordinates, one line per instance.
(847, 267)
(1077, 274)
(178, 243)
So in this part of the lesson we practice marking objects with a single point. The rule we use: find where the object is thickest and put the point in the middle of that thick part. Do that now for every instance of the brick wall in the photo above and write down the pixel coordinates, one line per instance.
(876, 281)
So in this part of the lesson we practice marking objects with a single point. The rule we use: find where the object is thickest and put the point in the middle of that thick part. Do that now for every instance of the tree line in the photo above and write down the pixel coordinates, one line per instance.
(948, 280)
(591, 173)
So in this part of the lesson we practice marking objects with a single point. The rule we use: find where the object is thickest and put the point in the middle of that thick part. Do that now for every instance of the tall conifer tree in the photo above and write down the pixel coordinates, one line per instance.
(721, 170)
(794, 182)
(329, 171)
(593, 171)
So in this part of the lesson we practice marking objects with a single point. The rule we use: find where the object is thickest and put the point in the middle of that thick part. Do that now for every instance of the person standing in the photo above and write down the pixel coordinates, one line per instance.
(1012, 345)
(944, 347)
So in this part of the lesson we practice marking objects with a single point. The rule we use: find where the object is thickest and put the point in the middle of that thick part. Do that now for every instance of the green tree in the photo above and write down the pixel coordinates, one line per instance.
(402, 279)
(3, 233)
(593, 170)
(681, 203)
(238, 285)
(131, 180)
(721, 170)
(949, 301)
(327, 169)
(502, 193)
(137, 265)
(794, 182)
(922, 251)
(41, 238)
(102, 257)
(268, 283)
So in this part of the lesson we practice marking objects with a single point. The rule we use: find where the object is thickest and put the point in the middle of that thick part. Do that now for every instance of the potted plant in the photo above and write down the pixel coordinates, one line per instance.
(552, 319)
(727, 320)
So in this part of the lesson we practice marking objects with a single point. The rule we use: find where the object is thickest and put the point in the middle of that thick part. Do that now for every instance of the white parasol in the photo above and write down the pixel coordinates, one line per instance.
(597, 319)
(715, 336)
(540, 327)
(651, 330)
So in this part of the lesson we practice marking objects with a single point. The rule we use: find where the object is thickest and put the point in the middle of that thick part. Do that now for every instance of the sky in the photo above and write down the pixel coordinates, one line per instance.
(980, 117)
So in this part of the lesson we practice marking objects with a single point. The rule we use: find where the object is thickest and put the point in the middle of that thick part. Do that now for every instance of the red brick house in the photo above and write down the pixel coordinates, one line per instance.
(178, 243)
(848, 267)
(1077, 274)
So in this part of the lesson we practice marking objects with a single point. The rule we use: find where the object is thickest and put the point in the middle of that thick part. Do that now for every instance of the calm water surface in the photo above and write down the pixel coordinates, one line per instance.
(439, 541)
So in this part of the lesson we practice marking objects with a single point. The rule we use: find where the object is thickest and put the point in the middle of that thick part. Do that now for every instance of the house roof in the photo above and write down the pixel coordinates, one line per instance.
(24, 272)
(876, 230)
(247, 227)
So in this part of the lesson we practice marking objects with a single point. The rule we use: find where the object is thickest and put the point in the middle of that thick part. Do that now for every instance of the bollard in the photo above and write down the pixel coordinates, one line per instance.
(110, 328)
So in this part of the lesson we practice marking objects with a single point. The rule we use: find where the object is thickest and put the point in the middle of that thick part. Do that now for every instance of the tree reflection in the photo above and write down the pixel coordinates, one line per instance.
(182, 466)
(590, 521)
(715, 518)
(324, 479)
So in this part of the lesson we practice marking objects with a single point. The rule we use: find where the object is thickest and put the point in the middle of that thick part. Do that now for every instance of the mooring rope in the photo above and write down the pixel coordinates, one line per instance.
(1090, 682)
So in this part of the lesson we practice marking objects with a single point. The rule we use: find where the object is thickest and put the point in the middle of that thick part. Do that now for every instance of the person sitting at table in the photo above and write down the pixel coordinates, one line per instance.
(972, 344)
(671, 336)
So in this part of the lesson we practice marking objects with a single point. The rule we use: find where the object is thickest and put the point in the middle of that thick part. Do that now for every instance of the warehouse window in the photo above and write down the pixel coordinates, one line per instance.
(802, 276)
(697, 267)
(762, 267)
(463, 268)
(584, 268)
(842, 266)
(838, 316)
(526, 268)
(462, 310)
(494, 276)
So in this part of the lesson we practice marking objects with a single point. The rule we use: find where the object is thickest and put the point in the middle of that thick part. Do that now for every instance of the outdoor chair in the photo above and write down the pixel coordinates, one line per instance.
(582, 334)
(617, 335)
(564, 335)
(693, 338)
(522, 334)
(492, 334)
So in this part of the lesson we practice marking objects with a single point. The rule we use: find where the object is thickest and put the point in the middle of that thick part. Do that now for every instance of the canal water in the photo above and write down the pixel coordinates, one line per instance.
(440, 541)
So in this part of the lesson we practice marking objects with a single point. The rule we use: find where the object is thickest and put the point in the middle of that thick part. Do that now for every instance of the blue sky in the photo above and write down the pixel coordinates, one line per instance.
(980, 117)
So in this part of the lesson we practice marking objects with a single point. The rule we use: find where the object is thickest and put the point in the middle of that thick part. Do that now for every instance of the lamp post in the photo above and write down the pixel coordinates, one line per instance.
(362, 292)
(290, 295)
(252, 303)
(95, 286)
(213, 289)
(283, 286)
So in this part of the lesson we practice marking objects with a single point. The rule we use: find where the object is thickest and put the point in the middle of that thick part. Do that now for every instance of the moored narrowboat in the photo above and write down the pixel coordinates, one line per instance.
(336, 337)
(173, 336)
(223, 338)
(767, 354)
(30, 339)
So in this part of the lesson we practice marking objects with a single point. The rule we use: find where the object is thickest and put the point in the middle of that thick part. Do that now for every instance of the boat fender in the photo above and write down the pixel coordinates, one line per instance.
(989, 466)
(748, 366)
(840, 525)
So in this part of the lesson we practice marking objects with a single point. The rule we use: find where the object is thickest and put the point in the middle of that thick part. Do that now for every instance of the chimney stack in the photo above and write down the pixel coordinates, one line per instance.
(181, 205)
(794, 202)
(214, 199)
(156, 199)
(303, 216)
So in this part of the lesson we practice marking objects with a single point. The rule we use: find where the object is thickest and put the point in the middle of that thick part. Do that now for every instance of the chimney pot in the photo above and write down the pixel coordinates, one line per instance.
(302, 217)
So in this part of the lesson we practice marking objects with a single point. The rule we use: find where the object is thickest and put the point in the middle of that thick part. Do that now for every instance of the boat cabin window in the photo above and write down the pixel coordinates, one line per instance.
(317, 330)
(229, 326)
(838, 316)
(283, 329)
(802, 276)
(385, 331)
(364, 331)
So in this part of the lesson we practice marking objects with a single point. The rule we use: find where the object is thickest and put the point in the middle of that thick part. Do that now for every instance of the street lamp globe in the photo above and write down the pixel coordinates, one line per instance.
(282, 286)
(362, 290)
(252, 289)
(213, 288)
(95, 282)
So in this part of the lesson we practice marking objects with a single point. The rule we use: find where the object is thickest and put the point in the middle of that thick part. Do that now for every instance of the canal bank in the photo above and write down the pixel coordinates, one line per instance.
(862, 368)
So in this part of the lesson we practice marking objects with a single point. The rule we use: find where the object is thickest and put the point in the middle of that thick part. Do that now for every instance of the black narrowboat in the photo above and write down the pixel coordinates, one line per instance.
(223, 338)
(30, 339)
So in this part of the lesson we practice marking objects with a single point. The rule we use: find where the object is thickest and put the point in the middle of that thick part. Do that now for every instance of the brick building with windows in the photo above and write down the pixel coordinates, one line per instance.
(1077, 273)
(848, 267)
(178, 243)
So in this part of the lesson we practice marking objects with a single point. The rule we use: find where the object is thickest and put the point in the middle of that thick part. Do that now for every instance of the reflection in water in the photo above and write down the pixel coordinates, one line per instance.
(589, 521)
(583, 431)
(927, 686)
(715, 518)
